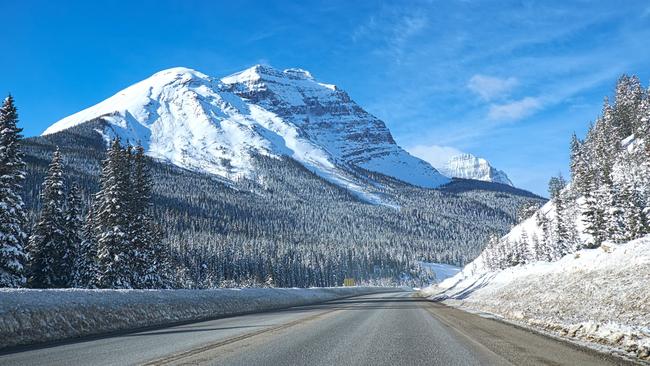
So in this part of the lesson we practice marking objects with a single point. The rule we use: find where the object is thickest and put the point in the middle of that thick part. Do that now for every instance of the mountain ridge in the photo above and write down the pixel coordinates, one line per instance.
(212, 125)
(468, 166)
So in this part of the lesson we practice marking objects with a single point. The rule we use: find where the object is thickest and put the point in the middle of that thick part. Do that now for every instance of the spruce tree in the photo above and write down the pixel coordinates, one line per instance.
(578, 166)
(87, 273)
(111, 221)
(12, 211)
(73, 232)
(628, 98)
(556, 185)
(546, 244)
(594, 215)
(525, 255)
(634, 217)
(150, 256)
(49, 253)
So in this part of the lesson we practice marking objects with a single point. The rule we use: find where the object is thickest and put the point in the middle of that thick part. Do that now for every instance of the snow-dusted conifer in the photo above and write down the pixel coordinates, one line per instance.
(49, 253)
(86, 271)
(111, 221)
(12, 212)
(73, 231)
(546, 242)
(579, 170)
(150, 256)
(594, 216)
(628, 98)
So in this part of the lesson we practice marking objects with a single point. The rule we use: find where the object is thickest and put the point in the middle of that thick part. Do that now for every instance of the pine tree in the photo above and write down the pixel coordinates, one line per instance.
(49, 253)
(563, 228)
(87, 272)
(73, 232)
(578, 166)
(12, 211)
(492, 259)
(111, 221)
(642, 130)
(595, 214)
(628, 98)
(150, 256)
(537, 254)
(556, 185)
(546, 244)
(525, 256)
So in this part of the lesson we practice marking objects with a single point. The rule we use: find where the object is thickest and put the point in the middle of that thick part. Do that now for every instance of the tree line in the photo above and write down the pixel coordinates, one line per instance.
(284, 227)
(608, 197)
(115, 245)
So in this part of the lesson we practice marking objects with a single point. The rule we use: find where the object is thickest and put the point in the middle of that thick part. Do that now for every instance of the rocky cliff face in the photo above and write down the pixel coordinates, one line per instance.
(328, 117)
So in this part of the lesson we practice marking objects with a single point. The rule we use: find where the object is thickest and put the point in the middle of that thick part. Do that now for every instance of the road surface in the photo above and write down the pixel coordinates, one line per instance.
(382, 329)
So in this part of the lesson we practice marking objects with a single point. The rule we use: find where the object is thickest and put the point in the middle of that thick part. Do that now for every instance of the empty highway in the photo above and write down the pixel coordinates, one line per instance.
(382, 329)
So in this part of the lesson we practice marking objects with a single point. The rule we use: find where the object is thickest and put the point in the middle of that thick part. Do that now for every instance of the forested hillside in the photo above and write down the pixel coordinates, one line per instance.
(608, 197)
(289, 227)
(577, 267)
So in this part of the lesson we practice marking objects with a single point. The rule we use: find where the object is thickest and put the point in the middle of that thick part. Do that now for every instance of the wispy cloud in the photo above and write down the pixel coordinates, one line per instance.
(490, 87)
(392, 30)
(460, 81)
(516, 110)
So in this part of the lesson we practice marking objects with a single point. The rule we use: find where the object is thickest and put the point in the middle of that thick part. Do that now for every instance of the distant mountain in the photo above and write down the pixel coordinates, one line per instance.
(216, 126)
(271, 174)
(468, 166)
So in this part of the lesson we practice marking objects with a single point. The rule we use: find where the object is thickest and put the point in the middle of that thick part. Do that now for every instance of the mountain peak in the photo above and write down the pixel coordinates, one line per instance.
(179, 70)
(264, 74)
(266, 70)
(200, 123)
(174, 74)
(298, 73)
(468, 166)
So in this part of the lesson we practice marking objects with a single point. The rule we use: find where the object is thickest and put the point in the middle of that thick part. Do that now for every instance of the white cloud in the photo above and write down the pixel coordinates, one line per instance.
(514, 110)
(435, 155)
(490, 87)
(391, 31)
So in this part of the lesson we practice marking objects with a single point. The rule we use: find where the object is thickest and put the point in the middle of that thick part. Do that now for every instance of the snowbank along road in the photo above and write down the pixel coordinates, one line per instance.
(380, 329)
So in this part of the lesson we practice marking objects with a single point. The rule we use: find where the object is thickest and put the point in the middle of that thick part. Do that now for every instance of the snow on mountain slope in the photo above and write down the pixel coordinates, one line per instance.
(332, 120)
(197, 122)
(180, 115)
(469, 166)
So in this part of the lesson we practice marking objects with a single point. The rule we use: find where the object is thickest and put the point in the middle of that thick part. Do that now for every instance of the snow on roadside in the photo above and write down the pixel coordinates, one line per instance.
(30, 316)
(441, 271)
(600, 296)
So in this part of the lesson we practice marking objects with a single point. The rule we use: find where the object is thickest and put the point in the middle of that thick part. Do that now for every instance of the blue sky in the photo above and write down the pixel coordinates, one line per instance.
(506, 80)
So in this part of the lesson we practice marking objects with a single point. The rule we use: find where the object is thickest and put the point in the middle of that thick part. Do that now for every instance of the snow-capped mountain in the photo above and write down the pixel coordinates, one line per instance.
(469, 166)
(330, 119)
(216, 126)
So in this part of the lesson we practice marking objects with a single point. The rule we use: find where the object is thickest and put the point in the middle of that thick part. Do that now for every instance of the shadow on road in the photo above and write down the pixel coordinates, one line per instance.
(190, 330)
(365, 304)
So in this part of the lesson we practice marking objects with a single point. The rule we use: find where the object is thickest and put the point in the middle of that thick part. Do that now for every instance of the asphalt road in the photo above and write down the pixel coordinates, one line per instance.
(382, 329)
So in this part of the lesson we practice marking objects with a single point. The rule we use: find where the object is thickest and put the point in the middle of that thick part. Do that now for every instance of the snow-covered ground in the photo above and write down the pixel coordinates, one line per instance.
(31, 316)
(599, 297)
(441, 271)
